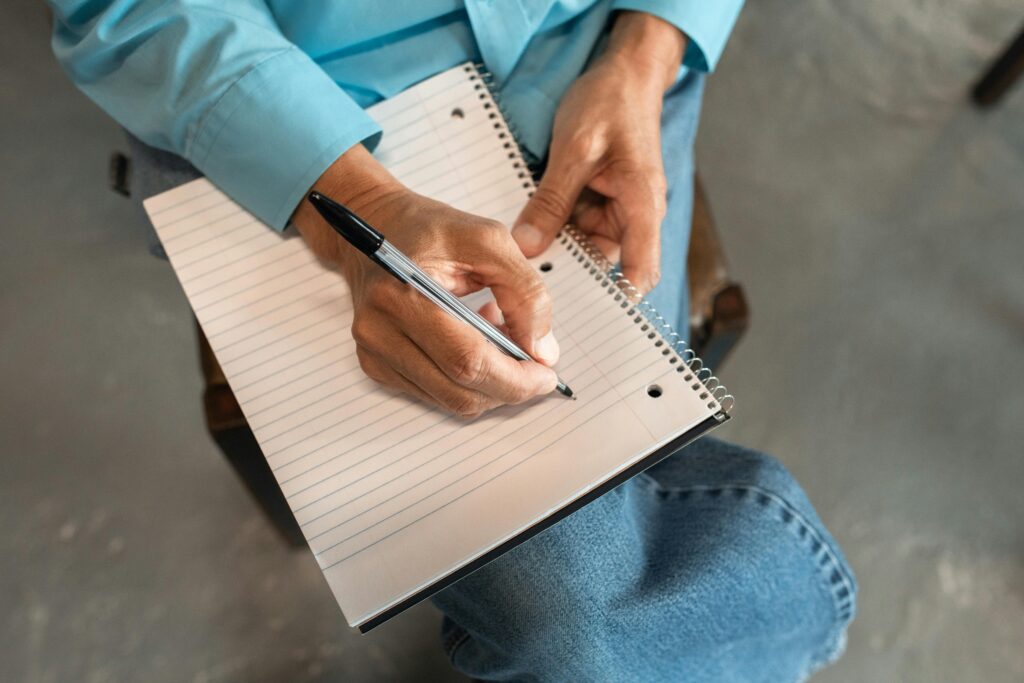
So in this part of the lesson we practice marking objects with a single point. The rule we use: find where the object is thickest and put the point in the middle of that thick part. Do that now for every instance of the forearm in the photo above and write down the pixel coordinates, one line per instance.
(217, 83)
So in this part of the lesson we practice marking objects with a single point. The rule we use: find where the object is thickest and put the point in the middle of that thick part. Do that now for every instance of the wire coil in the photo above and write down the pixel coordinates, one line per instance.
(708, 387)
(507, 131)
(664, 337)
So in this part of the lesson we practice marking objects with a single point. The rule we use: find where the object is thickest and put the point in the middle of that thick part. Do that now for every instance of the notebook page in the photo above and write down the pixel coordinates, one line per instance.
(392, 495)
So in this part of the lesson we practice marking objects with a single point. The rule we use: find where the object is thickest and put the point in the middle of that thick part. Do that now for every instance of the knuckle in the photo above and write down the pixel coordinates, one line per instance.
(469, 367)
(467, 406)
(584, 146)
(659, 183)
(494, 229)
(660, 202)
(520, 394)
(534, 295)
(492, 234)
(362, 333)
(369, 365)
(655, 276)
(382, 295)
(538, 293)
(551, 202)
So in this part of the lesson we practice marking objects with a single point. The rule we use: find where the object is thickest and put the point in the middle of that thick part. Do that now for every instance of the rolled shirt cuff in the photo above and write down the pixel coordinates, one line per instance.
(275, 131)
(707, 25)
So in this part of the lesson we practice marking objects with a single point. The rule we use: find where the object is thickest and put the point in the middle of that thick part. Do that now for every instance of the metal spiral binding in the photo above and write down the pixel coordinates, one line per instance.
(659, 330)
(507, 131)
(643, 313)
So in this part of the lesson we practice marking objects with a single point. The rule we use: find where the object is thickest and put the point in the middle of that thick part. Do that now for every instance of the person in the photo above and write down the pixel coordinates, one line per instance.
(711, 565)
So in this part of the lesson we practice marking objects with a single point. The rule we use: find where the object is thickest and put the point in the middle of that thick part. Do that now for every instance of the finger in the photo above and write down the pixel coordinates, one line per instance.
(469, 360)
(517, 288)
(383, 346)
(590, 215)
(611, 249)
(642, 210)
(593, 216)
(492, 314)
(552, 202)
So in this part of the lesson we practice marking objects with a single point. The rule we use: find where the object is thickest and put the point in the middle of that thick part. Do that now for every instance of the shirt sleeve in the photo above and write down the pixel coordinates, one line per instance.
(218, 84)
(707, 24)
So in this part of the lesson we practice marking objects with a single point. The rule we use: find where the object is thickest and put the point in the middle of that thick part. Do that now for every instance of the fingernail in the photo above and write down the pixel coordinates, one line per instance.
(527, 236)
(546, 348)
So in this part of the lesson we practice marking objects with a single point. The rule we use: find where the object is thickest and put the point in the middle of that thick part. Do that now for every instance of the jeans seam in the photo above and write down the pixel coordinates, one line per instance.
(455, 641)
(837, 582)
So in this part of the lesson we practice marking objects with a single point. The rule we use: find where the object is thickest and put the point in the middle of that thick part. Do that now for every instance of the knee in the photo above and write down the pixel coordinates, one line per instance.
(803, 588)
(710, 463)
(797, 583)
(540, 607)
(781, 583)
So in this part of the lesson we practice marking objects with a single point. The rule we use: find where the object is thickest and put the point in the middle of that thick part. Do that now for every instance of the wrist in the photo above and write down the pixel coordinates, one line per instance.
(356, 180)
(649, 47)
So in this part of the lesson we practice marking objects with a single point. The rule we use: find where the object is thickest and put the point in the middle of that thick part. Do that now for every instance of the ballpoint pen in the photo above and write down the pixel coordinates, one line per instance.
(368, 240)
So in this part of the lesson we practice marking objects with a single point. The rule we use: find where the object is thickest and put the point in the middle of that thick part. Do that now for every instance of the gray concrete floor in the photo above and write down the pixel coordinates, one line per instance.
(876, 220)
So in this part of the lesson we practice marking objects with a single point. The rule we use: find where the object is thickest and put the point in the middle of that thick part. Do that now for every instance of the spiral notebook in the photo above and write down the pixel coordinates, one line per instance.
(398, 500)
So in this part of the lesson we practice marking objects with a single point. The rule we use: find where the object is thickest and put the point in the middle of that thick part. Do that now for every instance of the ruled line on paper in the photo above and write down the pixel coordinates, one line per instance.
(279, 292)
(256, 319)
(461, 495)
(580, 383)
(392, 448)
(332, 362)
(268, 328)
(484, 445)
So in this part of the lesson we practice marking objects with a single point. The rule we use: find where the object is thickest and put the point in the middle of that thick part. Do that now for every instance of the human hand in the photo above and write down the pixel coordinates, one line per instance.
(605, 171)
(402, 339)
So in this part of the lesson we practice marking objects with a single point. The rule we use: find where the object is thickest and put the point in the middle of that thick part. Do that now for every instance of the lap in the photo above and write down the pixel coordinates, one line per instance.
(710, 562)
(710, 566)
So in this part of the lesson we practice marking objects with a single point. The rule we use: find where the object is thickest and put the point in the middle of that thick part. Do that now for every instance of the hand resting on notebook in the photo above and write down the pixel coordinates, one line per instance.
(605, 171)
(407, 343)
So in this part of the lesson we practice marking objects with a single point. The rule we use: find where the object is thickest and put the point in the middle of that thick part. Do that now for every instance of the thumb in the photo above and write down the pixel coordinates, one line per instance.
(551, 205)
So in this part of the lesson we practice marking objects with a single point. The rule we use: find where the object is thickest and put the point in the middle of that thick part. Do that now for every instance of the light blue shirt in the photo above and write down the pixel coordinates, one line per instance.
(263, 95)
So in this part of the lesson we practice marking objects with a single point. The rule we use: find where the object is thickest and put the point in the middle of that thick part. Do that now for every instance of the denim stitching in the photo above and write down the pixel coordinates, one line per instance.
(842, 595)
(458, 633)
(454, 643)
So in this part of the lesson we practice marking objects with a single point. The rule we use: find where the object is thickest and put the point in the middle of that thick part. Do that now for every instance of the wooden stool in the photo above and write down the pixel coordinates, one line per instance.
(1003, 73)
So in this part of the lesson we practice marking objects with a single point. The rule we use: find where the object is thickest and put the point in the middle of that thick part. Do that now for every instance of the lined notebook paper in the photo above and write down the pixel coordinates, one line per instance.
(396, 499)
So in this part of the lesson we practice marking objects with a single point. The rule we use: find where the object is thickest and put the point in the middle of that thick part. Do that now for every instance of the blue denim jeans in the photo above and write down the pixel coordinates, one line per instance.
(710, 566)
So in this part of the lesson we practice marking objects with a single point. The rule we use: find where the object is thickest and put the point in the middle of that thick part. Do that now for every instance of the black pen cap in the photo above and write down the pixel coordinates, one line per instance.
(354, 229)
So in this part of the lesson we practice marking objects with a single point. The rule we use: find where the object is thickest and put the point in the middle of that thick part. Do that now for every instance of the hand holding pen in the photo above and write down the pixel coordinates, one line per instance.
(407, 342)
(369, 241)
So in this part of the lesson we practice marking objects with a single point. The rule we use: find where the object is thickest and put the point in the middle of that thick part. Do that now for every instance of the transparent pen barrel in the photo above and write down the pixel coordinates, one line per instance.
(444, 299)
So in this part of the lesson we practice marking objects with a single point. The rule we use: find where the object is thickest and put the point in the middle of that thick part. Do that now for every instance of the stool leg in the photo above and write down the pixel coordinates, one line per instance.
(1001, 75)
(239, 446)
(231, 432)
